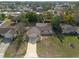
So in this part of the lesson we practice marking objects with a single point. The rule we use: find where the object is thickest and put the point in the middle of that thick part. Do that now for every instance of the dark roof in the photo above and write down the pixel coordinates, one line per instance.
(33, 30)
(4, 30)
(45, 28)
(0, 22)
(77, 30)
(66, 28)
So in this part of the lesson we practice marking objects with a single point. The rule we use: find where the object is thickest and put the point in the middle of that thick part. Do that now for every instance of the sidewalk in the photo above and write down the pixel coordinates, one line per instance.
(3, 48)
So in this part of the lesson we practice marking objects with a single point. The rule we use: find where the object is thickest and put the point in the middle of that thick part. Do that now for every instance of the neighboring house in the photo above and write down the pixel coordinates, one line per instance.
(52, 11)
(77, 30)
(59, 9)
(28, 9)
(68, 29)
(11, 31)
(39, 9)
(7, 33)
(12, 13)
(45, 29)
(33, 34)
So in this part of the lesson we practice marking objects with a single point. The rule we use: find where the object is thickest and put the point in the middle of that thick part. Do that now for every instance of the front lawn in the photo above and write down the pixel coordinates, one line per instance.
(52, 47)
(1, 39)
(17, 48)
(22, 50)
(69, 51)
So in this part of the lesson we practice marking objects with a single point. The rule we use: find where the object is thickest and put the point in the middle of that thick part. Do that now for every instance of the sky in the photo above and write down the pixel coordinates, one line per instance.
(39, 0)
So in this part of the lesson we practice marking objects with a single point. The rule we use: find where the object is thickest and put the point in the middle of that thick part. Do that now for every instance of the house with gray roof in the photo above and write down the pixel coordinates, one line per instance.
(10, 32)
(77, 30)
(33, 34)
(68, 29)
(45, 29)
(39, 9)
(7, 34)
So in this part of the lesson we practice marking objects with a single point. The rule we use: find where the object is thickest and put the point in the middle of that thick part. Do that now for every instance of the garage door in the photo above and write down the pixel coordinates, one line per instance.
(7, 40)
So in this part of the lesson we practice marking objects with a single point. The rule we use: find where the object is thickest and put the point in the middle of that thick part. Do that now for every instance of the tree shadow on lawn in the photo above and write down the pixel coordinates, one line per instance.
(60, 36)
(58, 33)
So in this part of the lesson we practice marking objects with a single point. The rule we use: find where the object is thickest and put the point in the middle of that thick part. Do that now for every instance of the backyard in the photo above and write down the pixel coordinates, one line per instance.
(52, 47)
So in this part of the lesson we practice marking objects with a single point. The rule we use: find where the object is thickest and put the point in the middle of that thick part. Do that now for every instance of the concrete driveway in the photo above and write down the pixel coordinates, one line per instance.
(3, 48)
(31, 49)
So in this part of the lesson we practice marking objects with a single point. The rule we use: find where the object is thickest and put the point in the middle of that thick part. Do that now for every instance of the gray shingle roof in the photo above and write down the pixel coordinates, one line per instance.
(45, 28)
(77, 30)
(4, 30)
(33, 30)
(66, 28)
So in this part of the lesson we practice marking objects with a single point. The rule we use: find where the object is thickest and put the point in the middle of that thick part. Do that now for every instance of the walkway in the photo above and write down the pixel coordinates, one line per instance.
(3, 48)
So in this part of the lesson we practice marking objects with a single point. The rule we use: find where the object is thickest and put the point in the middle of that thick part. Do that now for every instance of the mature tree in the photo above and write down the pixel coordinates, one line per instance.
(56, 27)
(56, 23)
(47, 15)
(2, 16)
(20, 28)
(69, 16)
(47, 6)
(23, 18)
(7, 21)
(32, 17)
(40, 18)
(76, 12)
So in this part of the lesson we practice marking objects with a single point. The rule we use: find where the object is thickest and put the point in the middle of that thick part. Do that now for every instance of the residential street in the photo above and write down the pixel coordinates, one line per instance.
(3, 48)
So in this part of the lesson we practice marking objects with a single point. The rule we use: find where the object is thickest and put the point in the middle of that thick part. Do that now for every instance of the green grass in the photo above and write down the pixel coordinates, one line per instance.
(17, 48)
(1, 39)
(22, 50)
(52, 47)
(67, 50)
(11, 51)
